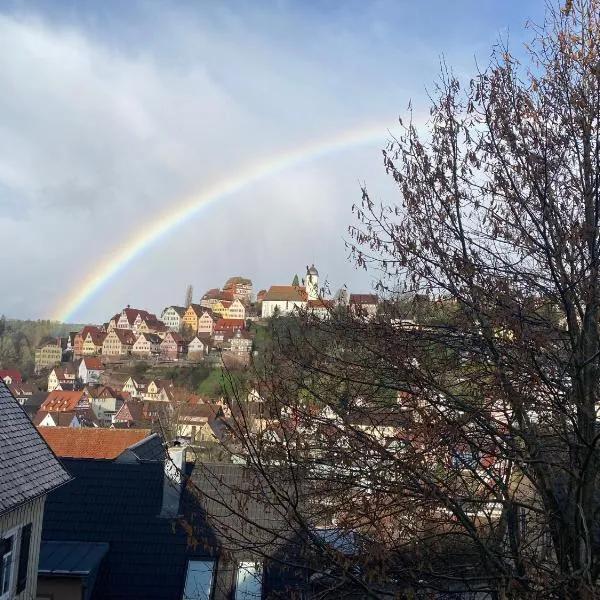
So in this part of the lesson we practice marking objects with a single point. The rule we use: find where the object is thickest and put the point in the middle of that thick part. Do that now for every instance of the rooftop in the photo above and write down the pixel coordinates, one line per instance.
(71, 558)
(29, 468)
(280, 293)
(91, 443)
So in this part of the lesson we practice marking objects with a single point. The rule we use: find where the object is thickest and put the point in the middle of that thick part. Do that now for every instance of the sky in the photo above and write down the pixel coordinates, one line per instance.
(113, 114)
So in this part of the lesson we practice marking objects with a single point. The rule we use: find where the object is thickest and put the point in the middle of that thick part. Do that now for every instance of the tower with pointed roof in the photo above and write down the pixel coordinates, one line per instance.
(312, 283)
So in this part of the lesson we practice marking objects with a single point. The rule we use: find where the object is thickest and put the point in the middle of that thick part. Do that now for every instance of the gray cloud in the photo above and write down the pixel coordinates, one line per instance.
(103, 129)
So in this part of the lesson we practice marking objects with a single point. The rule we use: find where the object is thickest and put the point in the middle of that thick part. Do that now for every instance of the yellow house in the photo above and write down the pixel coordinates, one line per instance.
(220, 308)
(206, 323)
(47, 356)
(191, 316)
(118, 342)
(236, 310)
(93, 343)
(154, 388)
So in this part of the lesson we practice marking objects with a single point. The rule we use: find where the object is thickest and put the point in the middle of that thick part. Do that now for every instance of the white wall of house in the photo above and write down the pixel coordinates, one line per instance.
(123, 322)
(48, 421)
(11, 524)
(285, 307)
(105, 408)
(52, 381)
(170, 317)
(88, 375)
(235, 311)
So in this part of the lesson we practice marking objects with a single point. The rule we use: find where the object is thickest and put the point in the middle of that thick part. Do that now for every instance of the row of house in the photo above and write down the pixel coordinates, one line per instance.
(203, 317)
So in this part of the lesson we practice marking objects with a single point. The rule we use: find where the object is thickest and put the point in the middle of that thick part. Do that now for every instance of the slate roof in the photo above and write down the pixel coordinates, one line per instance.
(119, 503)
(97, 337)
(150, 448)
(29, 468)
(71, 558)
(91, 443)
(31, 404)
(236, 507)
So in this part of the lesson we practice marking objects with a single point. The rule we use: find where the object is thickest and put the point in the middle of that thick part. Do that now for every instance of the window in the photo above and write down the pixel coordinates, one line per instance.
(23, 558)
(198, 580)
(248, 585)
(6, 561)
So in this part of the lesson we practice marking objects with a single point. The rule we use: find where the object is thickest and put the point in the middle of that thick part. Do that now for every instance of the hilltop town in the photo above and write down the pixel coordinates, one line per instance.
(139, 368)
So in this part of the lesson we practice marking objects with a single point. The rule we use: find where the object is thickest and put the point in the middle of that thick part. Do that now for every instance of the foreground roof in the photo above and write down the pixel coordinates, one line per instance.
(71, 558)
(29, 468)
(119, 503)
(100, 443)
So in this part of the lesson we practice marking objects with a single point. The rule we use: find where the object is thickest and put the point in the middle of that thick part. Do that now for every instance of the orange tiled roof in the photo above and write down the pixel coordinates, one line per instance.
(290, 293)
(59, 400)
(91, 442)
(93, 363)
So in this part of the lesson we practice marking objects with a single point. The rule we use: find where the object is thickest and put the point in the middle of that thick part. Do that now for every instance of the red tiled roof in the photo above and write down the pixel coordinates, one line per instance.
(91, 442)
(97, 337)
(14, 375)
(229, 324)
(125, 336)
(88, 329)
(59, 400)
(93, 363)
(364, 299)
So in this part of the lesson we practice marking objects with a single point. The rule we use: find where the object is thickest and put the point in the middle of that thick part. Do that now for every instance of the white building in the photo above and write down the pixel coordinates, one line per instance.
(285, 299)
(90, 369)
(172, 317)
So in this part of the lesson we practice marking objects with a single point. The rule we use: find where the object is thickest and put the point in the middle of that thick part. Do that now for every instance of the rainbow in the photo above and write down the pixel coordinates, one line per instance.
(189, 207)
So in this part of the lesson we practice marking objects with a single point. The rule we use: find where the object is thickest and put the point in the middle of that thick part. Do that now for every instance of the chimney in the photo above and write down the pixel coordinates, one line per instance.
(173, 481)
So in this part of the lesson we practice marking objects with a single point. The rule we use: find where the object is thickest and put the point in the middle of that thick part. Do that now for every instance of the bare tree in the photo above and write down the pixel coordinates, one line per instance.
(189, 293)
(462, 449)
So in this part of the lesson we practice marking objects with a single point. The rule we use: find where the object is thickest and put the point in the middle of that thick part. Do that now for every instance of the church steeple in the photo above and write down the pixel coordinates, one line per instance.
(312, 283)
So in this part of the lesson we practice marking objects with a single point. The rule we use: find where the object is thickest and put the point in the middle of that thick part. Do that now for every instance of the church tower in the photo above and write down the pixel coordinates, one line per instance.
(312, 283)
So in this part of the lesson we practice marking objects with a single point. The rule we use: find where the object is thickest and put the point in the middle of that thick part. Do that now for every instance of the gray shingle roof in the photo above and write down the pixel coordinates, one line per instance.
(28, 468)
(71, 558)
(237, 508)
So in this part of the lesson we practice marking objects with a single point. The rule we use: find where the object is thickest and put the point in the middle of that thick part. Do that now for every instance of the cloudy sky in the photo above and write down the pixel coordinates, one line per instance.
(114, 113)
